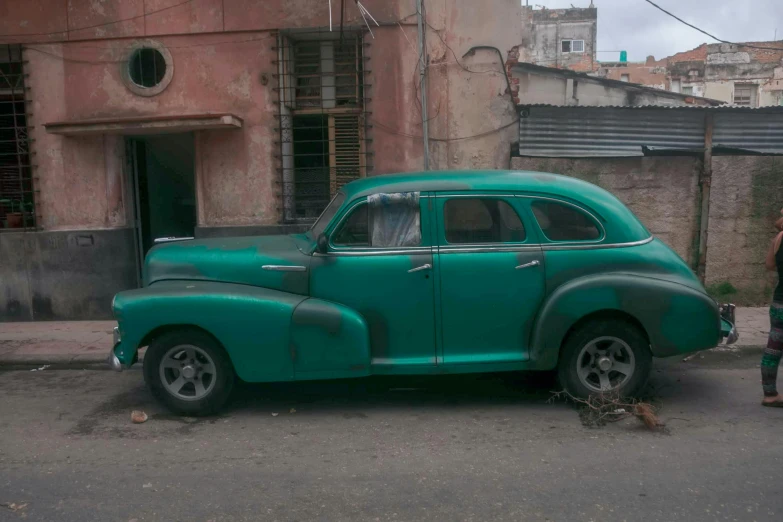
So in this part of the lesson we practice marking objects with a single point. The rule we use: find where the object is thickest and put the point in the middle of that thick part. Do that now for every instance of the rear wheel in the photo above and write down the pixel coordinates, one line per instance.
(189, 372)
(605, 357)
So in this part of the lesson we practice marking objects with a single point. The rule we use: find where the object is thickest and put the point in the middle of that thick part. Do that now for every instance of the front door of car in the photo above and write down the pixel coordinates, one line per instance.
(491, 277)
(379, 263)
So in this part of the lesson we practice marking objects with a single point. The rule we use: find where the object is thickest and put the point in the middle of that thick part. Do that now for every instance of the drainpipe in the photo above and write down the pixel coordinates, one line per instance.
(423, 83)
(705, 181)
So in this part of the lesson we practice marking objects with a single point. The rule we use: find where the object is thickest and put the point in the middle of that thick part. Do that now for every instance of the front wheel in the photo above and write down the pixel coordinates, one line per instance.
(605, 357)
(189, 372)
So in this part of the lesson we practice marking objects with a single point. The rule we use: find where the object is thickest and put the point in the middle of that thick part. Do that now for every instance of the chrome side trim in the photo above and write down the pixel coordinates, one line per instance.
(378, 252)
(488, 248)
(475, 195)
(599, 246)
(170, 239)
(285, 268)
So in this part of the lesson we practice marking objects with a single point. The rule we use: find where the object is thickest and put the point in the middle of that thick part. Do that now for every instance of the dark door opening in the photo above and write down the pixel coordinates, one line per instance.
(163, 173)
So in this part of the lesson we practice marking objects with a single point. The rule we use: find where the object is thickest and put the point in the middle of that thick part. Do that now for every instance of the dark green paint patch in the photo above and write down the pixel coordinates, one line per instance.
(321, 314)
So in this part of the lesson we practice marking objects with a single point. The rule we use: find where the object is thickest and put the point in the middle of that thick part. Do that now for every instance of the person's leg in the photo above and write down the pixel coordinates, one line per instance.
(772, 354)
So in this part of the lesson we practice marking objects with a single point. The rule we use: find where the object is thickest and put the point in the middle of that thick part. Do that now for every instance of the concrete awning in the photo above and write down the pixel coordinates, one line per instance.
(145, 124)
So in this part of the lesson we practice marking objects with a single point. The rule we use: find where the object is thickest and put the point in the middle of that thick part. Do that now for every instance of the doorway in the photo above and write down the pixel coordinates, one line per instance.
(163, 181)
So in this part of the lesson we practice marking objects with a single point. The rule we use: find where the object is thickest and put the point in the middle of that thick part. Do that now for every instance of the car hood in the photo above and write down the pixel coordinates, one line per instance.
(233, 260)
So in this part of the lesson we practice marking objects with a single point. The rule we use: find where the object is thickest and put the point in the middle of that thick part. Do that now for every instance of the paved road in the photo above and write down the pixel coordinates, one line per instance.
(457, 448)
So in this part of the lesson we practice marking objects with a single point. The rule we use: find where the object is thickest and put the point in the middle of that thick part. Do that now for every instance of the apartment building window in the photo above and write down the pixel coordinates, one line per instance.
(17, 200)
(625, 77)
(687, 90)
(572, 46)
(323, 119)
(745, 94)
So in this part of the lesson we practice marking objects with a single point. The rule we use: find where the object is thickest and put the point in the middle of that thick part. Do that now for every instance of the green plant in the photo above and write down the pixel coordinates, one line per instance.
(721, 289)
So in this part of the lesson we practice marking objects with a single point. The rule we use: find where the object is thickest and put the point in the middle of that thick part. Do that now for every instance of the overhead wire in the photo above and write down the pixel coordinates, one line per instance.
(750, 46)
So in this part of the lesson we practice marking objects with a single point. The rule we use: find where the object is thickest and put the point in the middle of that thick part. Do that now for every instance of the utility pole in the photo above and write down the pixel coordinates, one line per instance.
(423, 85)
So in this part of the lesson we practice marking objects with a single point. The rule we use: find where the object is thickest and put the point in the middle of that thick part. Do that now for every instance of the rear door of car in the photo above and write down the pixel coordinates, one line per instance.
(490, 277)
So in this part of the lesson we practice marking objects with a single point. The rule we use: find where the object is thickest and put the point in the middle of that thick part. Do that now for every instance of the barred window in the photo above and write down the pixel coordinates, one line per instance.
(323, 119)
(16, 186)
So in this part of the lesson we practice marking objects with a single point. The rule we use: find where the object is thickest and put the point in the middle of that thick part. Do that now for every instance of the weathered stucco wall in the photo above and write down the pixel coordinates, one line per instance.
(545, 29)
(565, 88)
(745, 200)
(663, 192)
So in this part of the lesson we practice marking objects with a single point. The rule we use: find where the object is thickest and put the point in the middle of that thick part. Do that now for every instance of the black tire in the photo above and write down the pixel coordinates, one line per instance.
(579, 339)
(224, 376)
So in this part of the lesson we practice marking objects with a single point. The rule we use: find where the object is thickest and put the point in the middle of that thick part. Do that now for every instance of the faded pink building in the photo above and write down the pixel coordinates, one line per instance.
(124, 121)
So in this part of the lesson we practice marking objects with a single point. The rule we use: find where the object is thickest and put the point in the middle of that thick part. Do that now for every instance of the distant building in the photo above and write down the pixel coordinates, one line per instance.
(537, 85)
(739, 74)
(560, 38)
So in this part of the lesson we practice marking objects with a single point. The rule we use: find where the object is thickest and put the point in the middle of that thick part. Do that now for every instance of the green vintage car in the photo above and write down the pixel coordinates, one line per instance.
(426, 273)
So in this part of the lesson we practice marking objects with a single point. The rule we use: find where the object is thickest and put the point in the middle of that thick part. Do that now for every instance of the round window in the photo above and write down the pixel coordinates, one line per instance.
(147, 67)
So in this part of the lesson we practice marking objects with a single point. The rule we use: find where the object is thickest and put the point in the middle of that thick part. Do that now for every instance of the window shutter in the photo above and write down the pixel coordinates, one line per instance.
(346, 143)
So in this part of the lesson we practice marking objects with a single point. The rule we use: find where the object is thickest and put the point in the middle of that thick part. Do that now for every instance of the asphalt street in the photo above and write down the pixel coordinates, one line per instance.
(446, 448)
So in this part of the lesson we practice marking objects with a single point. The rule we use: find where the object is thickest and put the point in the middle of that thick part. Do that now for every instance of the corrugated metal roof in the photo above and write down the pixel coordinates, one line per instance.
(773, 109)
(551, 131)
(604, 131)
(762, 133)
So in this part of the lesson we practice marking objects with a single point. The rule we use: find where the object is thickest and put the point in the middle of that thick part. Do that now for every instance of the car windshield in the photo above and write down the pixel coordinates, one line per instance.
(326, 216)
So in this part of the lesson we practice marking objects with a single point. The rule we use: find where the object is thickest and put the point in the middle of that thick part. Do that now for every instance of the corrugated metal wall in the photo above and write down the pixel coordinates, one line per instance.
(757, 132)
(606, 131)
(621, 132)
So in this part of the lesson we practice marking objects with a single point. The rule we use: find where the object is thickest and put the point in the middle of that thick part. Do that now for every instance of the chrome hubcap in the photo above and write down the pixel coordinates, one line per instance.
(605, 364)
(187, 372)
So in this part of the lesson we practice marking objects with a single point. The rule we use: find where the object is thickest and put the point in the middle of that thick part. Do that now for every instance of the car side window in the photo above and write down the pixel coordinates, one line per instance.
(561, 222)
(481, 220)
(384, 221)
(355, 229)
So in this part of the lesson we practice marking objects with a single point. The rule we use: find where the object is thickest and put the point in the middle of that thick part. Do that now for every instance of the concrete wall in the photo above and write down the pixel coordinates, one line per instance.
(537, 85)
(663, 192)
(745, 200)
(64, 275)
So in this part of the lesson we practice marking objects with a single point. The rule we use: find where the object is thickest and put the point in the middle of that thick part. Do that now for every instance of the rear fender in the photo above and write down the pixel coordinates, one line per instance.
(677, 319)
(252, 324)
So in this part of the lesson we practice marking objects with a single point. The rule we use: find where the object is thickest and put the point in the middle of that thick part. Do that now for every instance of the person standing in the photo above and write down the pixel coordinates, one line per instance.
(774, 350)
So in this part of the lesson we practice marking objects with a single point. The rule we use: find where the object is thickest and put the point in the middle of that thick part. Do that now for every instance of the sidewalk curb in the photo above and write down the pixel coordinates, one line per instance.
(57, 361)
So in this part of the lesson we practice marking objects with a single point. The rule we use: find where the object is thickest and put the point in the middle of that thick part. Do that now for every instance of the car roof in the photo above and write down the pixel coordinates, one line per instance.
(490, 180)
(621, 224)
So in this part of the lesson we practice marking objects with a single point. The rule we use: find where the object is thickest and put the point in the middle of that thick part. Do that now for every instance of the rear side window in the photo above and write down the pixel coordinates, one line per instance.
(561, 222)
(481, 220)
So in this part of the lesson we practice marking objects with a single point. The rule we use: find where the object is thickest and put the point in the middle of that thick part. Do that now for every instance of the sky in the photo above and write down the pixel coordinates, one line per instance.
(642, 30)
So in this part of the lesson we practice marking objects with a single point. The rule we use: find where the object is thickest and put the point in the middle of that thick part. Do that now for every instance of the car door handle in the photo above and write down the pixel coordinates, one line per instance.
(528, 265)
(420, 268)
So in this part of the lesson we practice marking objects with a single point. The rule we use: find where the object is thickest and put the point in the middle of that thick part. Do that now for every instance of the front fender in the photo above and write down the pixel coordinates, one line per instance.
(677, 319)
(252, 324)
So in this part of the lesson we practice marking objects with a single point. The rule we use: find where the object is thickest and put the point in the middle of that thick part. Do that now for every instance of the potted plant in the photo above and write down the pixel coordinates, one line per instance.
(14, 218)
